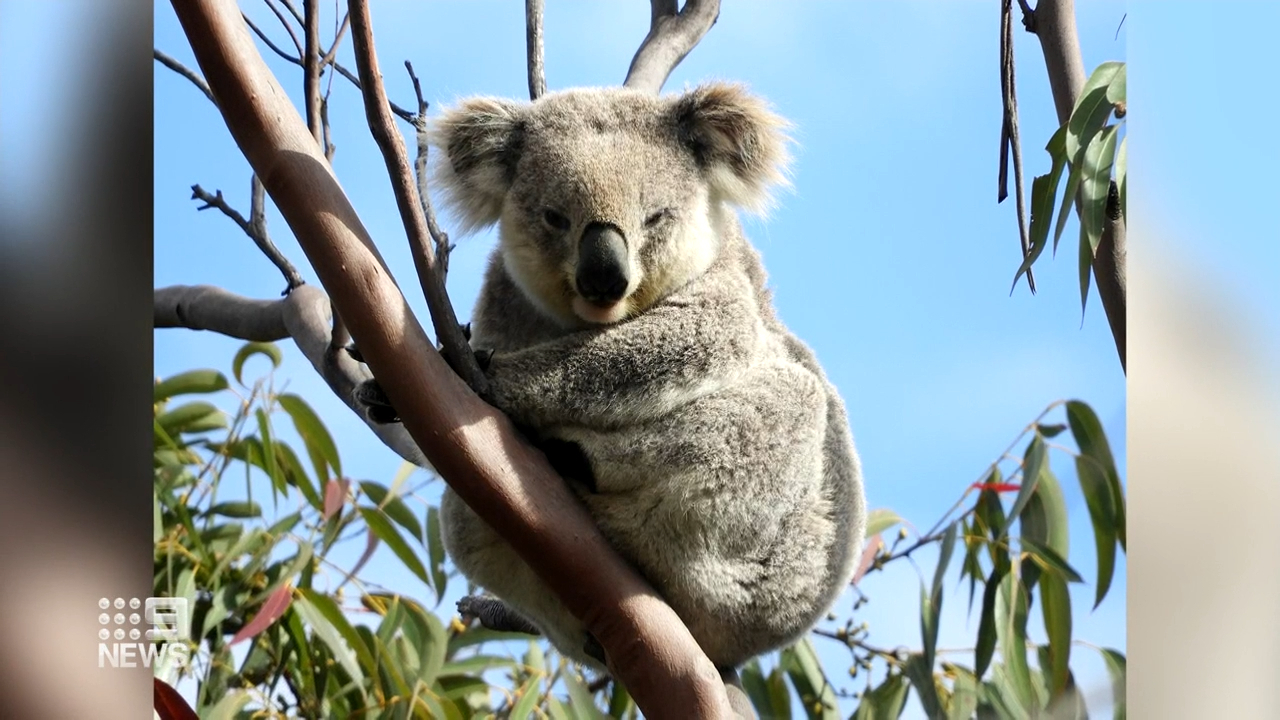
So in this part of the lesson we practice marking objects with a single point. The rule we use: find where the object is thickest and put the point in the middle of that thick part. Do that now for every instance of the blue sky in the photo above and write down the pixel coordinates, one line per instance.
(890, 257)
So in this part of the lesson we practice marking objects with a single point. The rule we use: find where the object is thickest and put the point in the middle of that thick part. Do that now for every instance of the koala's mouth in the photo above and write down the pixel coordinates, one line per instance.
(600, 311)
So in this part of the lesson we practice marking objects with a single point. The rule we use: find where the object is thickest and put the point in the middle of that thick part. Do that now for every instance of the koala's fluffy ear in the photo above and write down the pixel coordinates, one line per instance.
(740, 144)
(481, 140)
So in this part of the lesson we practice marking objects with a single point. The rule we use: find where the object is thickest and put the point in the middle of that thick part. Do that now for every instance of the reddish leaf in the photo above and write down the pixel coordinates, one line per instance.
(271, 611)
(370, 545)
(335, 494)
(874, 544)
(169, 705)
(996, 487)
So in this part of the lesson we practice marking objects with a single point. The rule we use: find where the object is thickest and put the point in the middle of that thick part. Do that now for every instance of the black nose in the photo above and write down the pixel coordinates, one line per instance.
(602, 275)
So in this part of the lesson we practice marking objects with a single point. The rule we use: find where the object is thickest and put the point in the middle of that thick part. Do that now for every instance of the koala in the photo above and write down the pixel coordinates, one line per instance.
(625, 327)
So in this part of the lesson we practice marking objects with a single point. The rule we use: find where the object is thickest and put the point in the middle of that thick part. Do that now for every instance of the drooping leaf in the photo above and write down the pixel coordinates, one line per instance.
(192, 417)
(1099, 157)
(1118, 87)
(1048, 559)
(235, 509)
(875, 544)
(335, 495)
(769, 694)
(388, 534)
(1091, 111)
(964, 695)
(255, 348)
(526, 699)
(1092, 441)
(885, 701)
(435, 552)
(192, 382)
(920, 672)
(881, 519)
(1044, 189)
(1055, 606)
(816, 694)
(1117, 666)
(324, 615)
(393, 506)
(1011, 632)
(581, 702)
(1032, 463)
(275, 606)
(986, 644)
(313, 432)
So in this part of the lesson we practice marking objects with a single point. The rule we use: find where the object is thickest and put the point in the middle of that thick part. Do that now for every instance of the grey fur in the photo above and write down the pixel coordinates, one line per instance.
(720, 456)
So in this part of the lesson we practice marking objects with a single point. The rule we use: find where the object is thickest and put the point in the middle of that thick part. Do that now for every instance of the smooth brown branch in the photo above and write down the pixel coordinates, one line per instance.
(337, 40)
(439, 237)
(1009, 139)
(533, 45)
(311, 69)
(258, 235)
(473, 446)
(400, 112)
(185, 72)
(454, 345)
(671, 36)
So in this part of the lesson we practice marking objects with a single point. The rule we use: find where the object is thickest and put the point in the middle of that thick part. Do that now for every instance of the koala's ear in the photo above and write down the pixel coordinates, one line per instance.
(481, 139)
(739, 143)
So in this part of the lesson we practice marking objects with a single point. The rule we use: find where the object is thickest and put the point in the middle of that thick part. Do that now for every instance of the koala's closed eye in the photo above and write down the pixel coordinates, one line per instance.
(555, 220)
(657, 218)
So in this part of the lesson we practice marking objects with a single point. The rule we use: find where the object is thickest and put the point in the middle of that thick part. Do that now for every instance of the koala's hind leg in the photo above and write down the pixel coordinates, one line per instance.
(487, 560)
(495, 615)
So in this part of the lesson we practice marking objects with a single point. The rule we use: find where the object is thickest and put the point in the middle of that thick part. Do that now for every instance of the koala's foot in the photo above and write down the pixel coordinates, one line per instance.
(495, 615)
(370, 396)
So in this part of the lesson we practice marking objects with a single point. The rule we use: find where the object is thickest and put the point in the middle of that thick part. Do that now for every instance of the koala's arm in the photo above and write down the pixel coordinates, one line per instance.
(683, 348)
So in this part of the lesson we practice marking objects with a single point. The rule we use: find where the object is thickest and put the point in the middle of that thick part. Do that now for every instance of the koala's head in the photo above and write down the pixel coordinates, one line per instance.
(608, 199)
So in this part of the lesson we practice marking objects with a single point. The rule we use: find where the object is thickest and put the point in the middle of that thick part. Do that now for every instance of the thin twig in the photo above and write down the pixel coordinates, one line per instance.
(671, 36)
(337, 40)
(261, 239)
(533, 44)
(293, 10)
(1028, 17)
(276, 48)
(399, 111)
(185, 72)
(311, 69)
(438, 236)
(1009, 134)
(287, 27)
(454, 346)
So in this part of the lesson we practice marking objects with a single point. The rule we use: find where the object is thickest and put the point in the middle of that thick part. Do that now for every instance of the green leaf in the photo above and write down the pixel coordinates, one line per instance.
(193, 417)
(581, 702)
(526, 699)
(769, 695)
(393, 506)
(269, 458)
(920, 672)
(235, 509)
(817, 696)
(944, 555)
(430, 639)
(387, 533)
(255, 348)
(1116, 89)
(964, 695)
(229, 706)
(1075, 172)
(435, 552)
(885, 702)
(313, 432)
(1099, 157)
(192, 382)
(1051, 430)
(1118, 668)
(1032, 463)
(1043, 190)
(1011, 632)
(1048, 559)
(1091, 111)
(931, 600)
(1092, 441)
(323, 614)
(1044, 525)
(986, 644)
(620, 701)
(1055, 605)
(880, 520)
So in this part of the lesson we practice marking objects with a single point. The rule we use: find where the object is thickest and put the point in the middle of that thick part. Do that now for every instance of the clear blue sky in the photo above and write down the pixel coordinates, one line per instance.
(890, 258)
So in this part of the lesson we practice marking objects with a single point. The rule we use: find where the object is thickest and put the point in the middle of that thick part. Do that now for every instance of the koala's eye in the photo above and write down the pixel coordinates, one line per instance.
(653, 220)
(555, 220)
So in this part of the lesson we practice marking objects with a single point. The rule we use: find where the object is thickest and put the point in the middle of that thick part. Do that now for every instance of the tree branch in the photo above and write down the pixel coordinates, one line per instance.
(1009, 139)
(454, 347)
(1055, 25)
(671, 36)
(311, 69)
(256, 230)
(287, 27)
(275, 48)
(438, 236)
(472, 445)
(185, 72)
(533, 44)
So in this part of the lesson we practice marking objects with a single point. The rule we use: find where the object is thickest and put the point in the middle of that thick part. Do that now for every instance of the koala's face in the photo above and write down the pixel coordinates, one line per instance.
(608, 198)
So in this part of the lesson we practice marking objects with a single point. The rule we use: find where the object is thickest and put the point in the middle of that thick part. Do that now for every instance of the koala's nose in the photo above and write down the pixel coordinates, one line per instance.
(602, 275)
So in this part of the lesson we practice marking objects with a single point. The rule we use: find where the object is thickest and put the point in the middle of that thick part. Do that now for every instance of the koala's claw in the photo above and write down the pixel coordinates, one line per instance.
(466, 330)
(374, 399)
(495, 615)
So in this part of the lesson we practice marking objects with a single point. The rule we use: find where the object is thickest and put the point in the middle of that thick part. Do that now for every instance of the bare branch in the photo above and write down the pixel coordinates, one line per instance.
(337, 40)
(474, 447)
(671, 36)
(1009, 139)
(438, 236)
(311, 69)
(276, 48)
(400, 112)
(185, 72)
(454, 346)
(257, 234)
(533, 44)
(287, 26)
(293, 10)
(303, 316)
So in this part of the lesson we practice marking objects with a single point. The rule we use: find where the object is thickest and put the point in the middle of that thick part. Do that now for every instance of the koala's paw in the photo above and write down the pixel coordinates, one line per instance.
(370, 396)
(483, 358)
(495, 615)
